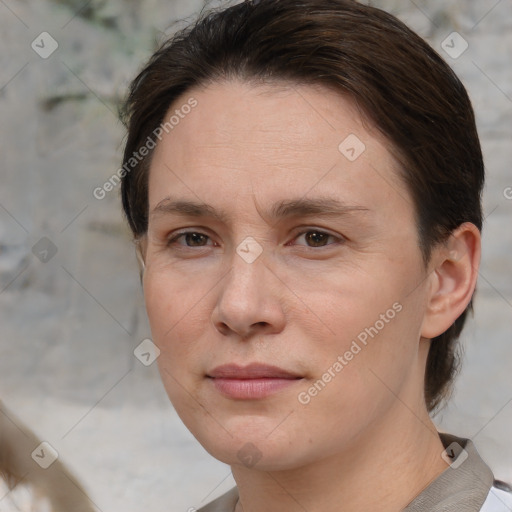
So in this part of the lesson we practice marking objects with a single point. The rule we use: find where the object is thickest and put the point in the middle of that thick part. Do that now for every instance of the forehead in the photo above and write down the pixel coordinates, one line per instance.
(243, 139)
(280, 115)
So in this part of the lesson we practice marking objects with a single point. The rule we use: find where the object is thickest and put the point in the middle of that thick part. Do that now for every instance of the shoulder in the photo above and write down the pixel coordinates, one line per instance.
(499, 498)
(225, 503)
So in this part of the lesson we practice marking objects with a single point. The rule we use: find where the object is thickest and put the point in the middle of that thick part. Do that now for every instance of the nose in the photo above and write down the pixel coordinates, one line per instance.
(250, 302)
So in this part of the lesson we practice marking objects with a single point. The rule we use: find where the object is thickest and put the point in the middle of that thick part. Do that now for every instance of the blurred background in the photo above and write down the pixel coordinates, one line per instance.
(71, 305)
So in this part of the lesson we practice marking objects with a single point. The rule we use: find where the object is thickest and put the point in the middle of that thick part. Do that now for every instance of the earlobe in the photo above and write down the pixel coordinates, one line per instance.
(453, 279)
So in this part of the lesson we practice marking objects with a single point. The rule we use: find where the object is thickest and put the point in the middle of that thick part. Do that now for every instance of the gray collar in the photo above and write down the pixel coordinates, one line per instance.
(462, 487)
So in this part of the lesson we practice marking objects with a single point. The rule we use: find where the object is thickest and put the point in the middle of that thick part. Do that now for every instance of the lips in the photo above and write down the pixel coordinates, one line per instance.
(251, 371)
(251, 382)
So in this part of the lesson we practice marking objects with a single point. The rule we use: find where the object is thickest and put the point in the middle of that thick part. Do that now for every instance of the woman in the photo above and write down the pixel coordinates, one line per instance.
(303, 182)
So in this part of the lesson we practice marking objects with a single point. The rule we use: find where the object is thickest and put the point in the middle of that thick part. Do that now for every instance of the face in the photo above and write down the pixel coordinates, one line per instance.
(284, 283)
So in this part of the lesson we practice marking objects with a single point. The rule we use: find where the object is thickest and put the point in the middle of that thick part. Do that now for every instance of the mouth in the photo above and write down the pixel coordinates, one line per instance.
(252, 382)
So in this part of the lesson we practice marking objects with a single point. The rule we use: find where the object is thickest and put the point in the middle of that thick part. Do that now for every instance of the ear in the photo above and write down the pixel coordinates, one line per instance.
(453, 275)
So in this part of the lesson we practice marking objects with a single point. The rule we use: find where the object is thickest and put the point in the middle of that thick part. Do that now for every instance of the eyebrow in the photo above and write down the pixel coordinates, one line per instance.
(299, 207)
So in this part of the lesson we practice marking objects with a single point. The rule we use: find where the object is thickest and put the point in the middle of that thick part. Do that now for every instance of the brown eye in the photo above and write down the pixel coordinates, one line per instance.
(192, 239)
(316, 238)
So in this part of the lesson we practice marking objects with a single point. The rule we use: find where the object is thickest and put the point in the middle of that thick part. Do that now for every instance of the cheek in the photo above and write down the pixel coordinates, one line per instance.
(371, 347)
(339, 306)
(174, 327)
(346, 395)
(173, 310)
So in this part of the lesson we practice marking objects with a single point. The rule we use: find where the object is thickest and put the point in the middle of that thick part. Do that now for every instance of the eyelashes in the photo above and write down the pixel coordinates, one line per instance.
(183, 234)
(317, 232)
(194, 236)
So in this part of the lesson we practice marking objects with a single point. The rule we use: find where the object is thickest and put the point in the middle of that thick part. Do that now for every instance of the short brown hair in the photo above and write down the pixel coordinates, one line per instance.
(399, 83)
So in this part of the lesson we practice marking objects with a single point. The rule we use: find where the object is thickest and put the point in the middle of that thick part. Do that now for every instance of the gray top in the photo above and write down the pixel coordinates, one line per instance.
(462, 487)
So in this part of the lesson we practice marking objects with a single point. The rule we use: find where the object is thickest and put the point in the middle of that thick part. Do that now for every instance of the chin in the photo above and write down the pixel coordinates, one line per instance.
(248, 444)
(261, 456)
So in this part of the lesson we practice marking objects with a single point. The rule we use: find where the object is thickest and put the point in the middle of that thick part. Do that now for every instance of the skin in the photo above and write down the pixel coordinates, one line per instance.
(302, 302)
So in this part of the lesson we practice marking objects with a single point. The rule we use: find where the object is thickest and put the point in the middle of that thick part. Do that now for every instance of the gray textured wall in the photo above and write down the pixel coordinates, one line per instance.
(70, 321)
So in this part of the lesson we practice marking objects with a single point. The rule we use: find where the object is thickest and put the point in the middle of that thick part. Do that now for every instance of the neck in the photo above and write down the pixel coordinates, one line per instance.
(384, 469)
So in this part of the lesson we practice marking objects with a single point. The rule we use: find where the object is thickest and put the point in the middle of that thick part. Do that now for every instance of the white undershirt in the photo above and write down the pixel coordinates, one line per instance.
(497, 501)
